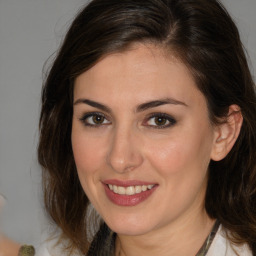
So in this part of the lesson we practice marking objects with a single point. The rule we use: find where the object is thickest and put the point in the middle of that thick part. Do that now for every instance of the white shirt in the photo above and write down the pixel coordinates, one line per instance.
(220, 246)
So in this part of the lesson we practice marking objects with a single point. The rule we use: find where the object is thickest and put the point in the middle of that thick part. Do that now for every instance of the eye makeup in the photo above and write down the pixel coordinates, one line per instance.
(159, 120)
(156, 120)
(94, 119)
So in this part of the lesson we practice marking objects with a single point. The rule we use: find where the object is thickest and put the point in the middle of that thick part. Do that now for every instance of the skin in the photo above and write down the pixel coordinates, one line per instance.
(130, 144)
(8, 247)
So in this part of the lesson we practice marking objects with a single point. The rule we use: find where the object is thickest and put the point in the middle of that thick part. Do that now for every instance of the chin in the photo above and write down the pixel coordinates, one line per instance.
(129, 226)
(130, 231)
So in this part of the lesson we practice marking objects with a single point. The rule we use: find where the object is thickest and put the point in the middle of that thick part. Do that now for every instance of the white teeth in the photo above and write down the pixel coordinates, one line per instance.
(131, 190)
(121, 190)
(137, 189)
(144, 188)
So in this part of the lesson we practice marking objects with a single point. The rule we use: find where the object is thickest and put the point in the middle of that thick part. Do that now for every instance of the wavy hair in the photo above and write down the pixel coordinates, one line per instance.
(203, 35)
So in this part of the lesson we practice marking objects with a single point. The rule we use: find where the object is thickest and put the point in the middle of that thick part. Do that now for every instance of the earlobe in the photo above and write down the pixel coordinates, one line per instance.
(226, 133)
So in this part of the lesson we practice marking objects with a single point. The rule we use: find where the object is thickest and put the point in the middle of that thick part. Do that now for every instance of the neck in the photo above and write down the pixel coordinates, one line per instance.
(183, 237)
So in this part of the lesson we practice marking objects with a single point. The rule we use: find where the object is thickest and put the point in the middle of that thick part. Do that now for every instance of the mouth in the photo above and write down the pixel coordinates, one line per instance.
(128, 193)
(130, 190)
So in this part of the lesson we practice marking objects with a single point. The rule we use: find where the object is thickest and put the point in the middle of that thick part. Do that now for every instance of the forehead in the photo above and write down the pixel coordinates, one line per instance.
(136, 55)
(143, 71)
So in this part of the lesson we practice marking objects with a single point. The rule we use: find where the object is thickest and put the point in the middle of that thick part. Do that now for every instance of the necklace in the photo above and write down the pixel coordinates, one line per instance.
(207, 243)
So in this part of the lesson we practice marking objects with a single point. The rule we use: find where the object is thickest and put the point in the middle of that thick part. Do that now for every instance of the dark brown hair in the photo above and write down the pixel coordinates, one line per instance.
(202, 34)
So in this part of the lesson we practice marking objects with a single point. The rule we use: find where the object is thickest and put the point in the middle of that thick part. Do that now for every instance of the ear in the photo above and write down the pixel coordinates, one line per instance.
(226, 133)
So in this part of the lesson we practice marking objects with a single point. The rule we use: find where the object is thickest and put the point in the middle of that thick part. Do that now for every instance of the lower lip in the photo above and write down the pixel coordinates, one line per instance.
(128, 200)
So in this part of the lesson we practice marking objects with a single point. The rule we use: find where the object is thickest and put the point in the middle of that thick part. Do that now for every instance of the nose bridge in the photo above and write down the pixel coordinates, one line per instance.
(124, 150)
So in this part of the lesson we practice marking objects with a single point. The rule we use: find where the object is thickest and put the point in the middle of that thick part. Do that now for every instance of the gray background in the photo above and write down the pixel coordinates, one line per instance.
(30, 31)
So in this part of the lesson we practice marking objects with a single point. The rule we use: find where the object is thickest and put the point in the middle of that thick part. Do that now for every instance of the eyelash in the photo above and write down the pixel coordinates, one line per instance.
(84, 119)
(166, 118)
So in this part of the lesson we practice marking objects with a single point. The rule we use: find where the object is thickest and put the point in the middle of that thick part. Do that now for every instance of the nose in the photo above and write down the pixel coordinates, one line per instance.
(124, 151)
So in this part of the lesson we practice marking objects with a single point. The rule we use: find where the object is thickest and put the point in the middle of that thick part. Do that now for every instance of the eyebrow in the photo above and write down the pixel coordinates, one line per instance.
(157, 103)
(139, 108)
(93, 104)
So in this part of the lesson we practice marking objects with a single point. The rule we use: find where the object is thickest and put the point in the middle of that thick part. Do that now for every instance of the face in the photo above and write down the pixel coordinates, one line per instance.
(142, 140)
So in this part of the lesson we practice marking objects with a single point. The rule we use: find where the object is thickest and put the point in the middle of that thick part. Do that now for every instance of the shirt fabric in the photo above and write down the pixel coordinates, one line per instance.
(220, 246)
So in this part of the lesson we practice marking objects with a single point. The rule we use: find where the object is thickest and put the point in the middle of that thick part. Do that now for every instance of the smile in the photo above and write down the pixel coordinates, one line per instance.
(131, 190)
(128, 193)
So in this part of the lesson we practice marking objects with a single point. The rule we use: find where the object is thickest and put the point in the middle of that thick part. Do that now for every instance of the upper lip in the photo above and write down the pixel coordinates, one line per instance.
(127, 183)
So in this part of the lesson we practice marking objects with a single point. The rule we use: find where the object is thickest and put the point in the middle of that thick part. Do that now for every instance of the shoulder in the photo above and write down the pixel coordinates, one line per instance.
(221, 246)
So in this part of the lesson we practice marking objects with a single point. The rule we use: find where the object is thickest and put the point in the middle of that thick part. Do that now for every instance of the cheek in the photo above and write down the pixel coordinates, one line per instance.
(88, 160)
(88, 153)
(168, 158)
(184, 152)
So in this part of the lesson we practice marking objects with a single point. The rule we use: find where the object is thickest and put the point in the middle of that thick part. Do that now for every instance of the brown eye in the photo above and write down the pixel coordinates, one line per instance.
(160, 121)
(94, 119)
(98, 119)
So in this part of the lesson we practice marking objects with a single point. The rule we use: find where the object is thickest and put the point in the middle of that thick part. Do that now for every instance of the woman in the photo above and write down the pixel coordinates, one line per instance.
(148, 117)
